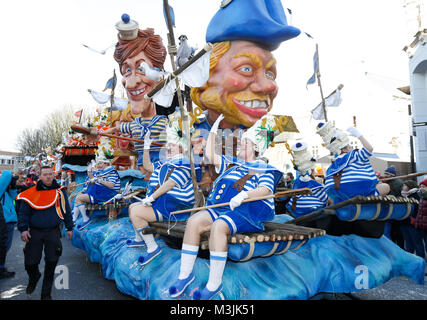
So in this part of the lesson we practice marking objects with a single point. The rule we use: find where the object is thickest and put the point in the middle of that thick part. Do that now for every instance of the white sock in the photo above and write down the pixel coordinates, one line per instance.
(138, 234)
(217, 265)
(149, 240)
(82, 208)
(188, 257)
(76, 212)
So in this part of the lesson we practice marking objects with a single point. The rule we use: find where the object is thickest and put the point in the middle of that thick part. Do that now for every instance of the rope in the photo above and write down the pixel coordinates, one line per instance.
(390, 210)
(299, 246)
(286, 248)
(358, 207)
(251, 250)
(273, 250)
(377, 213)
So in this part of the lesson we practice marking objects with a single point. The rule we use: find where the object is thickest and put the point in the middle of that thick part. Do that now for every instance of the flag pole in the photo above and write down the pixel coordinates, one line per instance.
(320, 84)
(184, 118)
(80, 118)
(113, 85)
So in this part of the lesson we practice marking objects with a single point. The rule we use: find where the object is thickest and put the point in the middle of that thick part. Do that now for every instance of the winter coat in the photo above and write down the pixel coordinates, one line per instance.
(421, 220)
(7, 196)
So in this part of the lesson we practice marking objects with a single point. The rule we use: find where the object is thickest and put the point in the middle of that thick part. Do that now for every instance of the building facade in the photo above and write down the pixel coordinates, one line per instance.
(11, 161)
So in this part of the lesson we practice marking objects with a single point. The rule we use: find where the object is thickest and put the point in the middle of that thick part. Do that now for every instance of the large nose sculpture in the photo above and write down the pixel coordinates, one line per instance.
(132, 81)
(262, 84)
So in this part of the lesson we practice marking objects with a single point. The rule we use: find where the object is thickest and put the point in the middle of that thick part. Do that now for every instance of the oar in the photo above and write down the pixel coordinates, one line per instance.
(276, 195)
(411, 175)
(84, 130)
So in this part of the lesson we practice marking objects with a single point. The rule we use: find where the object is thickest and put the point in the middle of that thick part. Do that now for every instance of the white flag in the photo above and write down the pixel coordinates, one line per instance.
(196, 75)
(334, 100)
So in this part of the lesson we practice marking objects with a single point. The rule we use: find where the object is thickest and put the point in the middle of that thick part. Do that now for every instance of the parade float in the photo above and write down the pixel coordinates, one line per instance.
(334, 249)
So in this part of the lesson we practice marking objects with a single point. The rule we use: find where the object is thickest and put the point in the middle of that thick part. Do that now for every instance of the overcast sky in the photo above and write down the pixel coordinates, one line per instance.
(45, 67)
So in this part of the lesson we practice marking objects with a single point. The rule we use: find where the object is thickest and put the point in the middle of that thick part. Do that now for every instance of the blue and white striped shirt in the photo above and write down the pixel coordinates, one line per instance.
(156, 125)
(308, 203)
(183, 189)
(110, 175)
(260, 179)
(355, 167)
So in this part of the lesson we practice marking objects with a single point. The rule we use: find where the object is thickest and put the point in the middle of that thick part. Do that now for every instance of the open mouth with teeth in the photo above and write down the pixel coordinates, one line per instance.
(253, 108)
(137, 93)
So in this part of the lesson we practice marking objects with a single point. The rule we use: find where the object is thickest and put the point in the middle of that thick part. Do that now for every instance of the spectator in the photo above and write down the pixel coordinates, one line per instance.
(392, 228)
(290, 179)
(396, 184)
(40, 228)
(411, 235)
(421, 219)
(7, 194)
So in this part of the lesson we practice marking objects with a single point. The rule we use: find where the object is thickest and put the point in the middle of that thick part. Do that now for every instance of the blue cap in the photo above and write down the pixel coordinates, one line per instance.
(260, 21)
(391, 170)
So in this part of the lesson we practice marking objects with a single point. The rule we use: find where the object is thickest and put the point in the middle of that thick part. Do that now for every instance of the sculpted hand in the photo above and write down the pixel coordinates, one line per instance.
(237, 200)
(93, 180)
(215, 126)
(146, 202)
(354, 132)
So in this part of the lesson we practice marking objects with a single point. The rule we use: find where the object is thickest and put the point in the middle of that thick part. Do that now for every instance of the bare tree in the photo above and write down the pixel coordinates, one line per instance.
(31, 141)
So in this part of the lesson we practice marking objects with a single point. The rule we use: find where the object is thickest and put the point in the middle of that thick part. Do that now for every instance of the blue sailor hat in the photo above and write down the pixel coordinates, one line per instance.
(260, 21)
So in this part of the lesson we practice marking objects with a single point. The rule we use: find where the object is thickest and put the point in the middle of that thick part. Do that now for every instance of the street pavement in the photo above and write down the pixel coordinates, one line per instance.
(85, 277)
(87, 283)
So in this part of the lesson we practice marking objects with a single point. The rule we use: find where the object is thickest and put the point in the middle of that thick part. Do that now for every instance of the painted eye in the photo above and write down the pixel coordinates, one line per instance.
(141, 68)
(127, 70)
(246, 69)
(269, 75)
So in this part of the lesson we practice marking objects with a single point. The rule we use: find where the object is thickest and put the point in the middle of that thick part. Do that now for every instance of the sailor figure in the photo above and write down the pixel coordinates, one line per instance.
(102, 184)
(350, 173)
(304, 164)
(170, 189)
(239, 179)
(135, 49)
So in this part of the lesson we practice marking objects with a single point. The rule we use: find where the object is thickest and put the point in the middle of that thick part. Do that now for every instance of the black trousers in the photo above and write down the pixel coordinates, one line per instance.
(49, 241)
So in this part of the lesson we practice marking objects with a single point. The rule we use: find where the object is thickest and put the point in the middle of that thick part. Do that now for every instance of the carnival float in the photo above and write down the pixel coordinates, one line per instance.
(315, 247)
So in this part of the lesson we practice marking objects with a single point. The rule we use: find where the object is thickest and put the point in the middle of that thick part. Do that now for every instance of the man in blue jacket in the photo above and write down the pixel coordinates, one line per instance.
(8, 218)
(43, 208)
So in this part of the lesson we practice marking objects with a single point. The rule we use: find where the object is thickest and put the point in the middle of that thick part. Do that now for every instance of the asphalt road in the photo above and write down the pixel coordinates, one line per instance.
(85, 278)
(87, 283)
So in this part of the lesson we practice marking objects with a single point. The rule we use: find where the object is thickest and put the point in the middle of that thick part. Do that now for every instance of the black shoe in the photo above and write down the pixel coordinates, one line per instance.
(6, 274)
(32, 284)
(48, 297)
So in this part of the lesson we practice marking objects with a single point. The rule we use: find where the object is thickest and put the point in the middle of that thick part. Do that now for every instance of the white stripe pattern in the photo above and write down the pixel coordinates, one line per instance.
(358, 169)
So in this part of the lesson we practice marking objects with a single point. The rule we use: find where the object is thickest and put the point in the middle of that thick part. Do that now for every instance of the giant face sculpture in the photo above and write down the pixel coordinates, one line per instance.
(129, 54)
(241, 84)
(137, 84)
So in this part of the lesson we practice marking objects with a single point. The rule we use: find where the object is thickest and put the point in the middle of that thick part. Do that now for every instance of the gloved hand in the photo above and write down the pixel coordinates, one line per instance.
(354, 132)
(93, 180)
(237, 199)
(146, 202)
(89, 167)
(147, 140)
(118, 196)
(215, 126)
